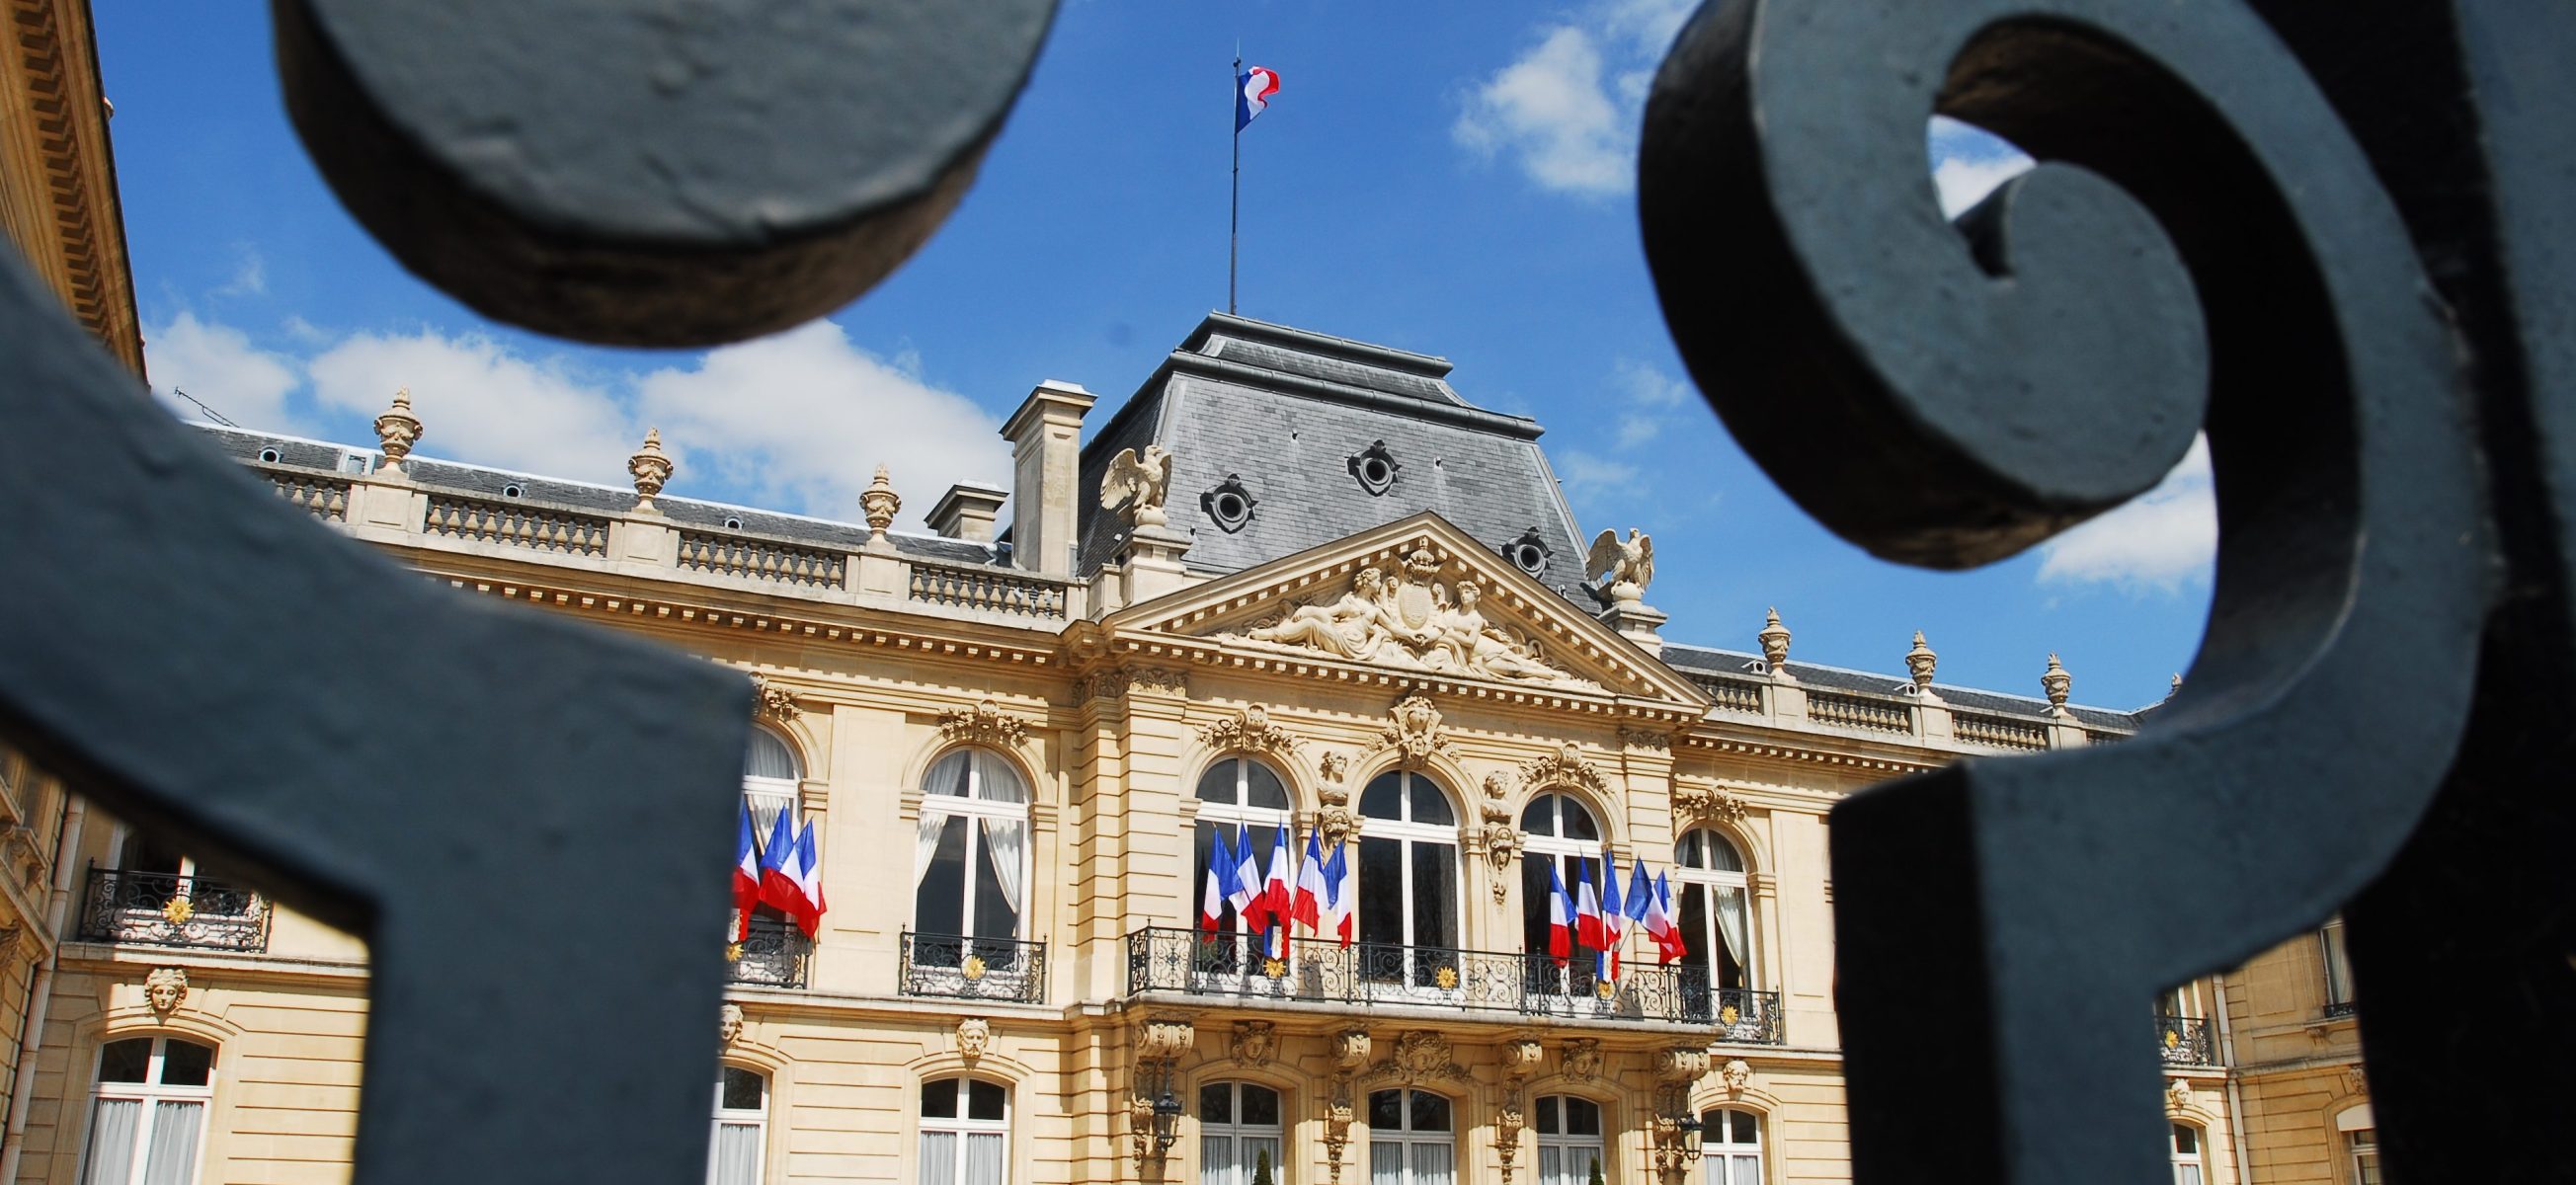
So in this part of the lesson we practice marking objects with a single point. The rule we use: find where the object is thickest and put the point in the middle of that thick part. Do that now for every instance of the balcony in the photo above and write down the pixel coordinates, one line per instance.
(773, 954)
(167, 909)
(2184, 1041)
(972, 968)
(1171, 959)
(2338, 1009)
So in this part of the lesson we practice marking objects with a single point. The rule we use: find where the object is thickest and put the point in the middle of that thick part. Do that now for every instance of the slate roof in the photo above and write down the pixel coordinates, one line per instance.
(1285, 411)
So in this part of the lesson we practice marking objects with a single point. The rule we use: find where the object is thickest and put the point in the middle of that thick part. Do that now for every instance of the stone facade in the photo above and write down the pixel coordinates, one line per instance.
(1112, 699)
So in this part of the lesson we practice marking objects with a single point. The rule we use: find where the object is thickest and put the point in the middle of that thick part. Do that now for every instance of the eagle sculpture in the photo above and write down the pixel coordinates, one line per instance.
(1629, 565)
(1139, 483)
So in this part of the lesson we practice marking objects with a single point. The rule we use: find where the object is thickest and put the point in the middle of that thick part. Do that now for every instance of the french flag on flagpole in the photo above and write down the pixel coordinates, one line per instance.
(1244, 891)
(1612, 921)
(777, 884)
(746, 879)
(1560, 918)
(1220, 878)
(1275, 905)
(1343, 874)
(1307, 907)
(1252, 91)
(1661, 923)
(1587, 908)
(808, 875)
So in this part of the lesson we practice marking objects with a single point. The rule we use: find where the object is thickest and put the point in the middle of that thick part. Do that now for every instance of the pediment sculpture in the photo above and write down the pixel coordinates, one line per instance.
(1414, 621)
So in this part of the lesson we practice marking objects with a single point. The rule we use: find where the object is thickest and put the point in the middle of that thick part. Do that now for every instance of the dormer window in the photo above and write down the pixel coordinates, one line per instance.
(268, 456)
(1528, 553)
(1229, 505)
(511, 490)
(1375, 467)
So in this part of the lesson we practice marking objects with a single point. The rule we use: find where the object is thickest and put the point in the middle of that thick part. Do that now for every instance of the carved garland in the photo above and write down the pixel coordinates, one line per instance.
(1414, 731)
(1251, 730)
(774, 701)
(985, 724)
(1708, 805)
(1420, 1056)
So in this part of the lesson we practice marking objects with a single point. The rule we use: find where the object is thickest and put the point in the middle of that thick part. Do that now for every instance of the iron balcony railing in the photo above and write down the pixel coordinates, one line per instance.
(2184, 1041)
(1172, 959)
(973, 968)
(2340, 1008)
(167, 909)
(773, 953)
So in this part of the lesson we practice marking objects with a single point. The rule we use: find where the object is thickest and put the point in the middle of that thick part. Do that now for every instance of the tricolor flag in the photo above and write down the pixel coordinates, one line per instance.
(746, 879)
(1613, 920)
(1660, 922)
(1274, 890)
(1244, 891)
(1341, 906)
(1307, 905)
(1560, 918)
(807, 871)
(1252, 91)
(1587, 908)
(777, 884)
(1219, 878)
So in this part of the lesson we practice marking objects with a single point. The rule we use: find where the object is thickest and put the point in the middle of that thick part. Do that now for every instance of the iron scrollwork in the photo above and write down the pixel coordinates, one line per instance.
(2205, 246)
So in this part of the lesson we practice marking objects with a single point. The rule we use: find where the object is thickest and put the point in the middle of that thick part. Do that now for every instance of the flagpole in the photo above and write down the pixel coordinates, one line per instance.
(1234, 201)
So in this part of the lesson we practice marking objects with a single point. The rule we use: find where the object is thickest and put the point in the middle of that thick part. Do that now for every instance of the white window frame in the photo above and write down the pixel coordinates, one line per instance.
(1406, 1137)
(1710, 880)
(2337, 960)
(783, 792)
(1719, 1153)
(2361, 1148)
(963, 1128)
(150, 1094)
(1559, 848)
(1565, 1142)
(1408, 833)
(756, 1119)
(973, 807)
(2192, 1167)
(1237, 1131)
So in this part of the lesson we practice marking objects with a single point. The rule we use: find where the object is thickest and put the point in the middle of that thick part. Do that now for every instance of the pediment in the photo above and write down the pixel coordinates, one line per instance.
(1418, 596)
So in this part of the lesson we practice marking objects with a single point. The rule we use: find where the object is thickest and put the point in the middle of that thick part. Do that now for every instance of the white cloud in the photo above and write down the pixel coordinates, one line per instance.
(2159, 541)
(1964, 182)
(1587, 475)
(483, 403)
(803, 419)
(1649, 393)
(250, 278)
(1550, 111)
(218, 365)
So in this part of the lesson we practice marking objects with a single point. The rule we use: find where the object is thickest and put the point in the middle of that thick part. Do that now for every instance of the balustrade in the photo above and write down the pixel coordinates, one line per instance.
(1852, 711)
(167, 909)
(772, 953)
(761, 559)
(973, 968)
(516, 526)
(981, 588)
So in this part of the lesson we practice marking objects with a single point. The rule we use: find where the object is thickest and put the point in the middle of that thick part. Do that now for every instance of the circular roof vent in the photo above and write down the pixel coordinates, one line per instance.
(1528, 553)
(1375, 467)
(1229, 505)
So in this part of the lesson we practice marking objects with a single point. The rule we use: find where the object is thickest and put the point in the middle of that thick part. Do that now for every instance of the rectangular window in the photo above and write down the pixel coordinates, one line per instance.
(2338, 966)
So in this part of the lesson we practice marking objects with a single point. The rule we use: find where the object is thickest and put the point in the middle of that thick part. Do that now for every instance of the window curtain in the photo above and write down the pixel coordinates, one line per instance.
(736, 1155)
(111, 1141)
(1432, 1164)
(173, 1152)
(1253, 1147)
(1744, 1170)
(1551, 1167)
(1386, 1163)
(996, 780)
(938, 1158)
(925, 841)
(983, 1159)
(1216, 1161)
(1004, 844)
(1730, 921)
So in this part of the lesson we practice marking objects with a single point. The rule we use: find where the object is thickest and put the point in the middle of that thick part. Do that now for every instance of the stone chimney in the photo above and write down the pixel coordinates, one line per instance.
(967, 511)
(1046, 468)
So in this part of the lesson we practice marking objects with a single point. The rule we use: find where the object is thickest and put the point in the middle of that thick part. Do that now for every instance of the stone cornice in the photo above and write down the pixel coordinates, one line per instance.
(68, 116)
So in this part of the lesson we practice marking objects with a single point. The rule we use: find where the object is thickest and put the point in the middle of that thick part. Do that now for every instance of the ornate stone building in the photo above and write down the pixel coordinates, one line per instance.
(1295, 581)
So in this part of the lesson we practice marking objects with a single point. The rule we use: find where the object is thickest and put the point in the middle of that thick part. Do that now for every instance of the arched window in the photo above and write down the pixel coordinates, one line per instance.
(2186, 1155)
(1409, 881)
(1708, 878)
(1569, 1140)
(769, 778)
(1410, 1140)
(971, 861)
(1556, 833)
(735, 1152)
(1246, 802)
(1731, 1146)
(965, 1132)
(1238, 1127)
(148, 1114)
(2360, 1131)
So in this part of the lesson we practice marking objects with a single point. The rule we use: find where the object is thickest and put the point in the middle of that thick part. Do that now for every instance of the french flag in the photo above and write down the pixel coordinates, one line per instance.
(1587, 909)
(808, 875)
(1220, 878)
(777, 884)
(1307, 907)
(1560, 918)
(1275, 906)
(1613, 921)
(1343, 874)
(1252, 91)
(1660, 922)
(746, 879)
(1243, 892)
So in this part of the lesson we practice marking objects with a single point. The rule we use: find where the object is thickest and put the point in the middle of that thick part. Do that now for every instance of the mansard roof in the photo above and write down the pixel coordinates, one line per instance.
(1285, 412)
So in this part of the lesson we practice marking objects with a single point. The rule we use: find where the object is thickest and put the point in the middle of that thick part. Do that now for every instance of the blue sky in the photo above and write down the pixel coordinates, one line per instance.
(1443, 177)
